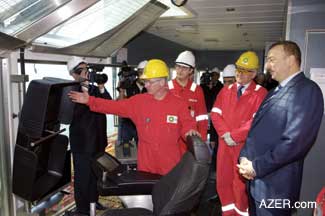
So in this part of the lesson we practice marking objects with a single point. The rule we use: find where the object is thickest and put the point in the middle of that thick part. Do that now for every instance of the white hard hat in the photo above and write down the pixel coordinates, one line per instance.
(74, 62)
(186, 59)
(215, 69)
(142, 64)
(229, 71)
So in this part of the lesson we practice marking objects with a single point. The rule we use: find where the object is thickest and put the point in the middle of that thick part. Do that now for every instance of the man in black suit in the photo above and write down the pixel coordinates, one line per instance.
(88, 137)
(283, 130)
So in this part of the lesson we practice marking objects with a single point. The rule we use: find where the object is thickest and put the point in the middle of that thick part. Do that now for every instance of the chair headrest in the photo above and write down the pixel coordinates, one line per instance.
(199, 149)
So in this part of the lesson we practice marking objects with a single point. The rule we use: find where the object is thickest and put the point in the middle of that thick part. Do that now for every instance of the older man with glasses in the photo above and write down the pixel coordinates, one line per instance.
(160, 117)
(232, 115)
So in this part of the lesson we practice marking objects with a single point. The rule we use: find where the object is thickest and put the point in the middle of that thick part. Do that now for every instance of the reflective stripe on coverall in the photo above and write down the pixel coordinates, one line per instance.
(193, 94)
(230, 114)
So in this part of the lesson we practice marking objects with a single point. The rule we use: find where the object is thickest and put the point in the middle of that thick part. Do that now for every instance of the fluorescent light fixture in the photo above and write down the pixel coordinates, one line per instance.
(174, 11)
(211, 40)
(99, 18)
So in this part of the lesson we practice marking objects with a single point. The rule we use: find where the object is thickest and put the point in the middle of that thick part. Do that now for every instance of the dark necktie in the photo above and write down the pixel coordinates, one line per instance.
(276, 90)
(239, 91)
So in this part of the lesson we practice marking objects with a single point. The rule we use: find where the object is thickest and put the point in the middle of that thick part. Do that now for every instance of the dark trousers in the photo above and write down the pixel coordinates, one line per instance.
(127, 131)
(256, 209)
(85, 182)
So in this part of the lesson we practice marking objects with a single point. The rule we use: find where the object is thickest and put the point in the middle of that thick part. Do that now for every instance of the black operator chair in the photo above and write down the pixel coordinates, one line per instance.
(41, 165)
(174, 194)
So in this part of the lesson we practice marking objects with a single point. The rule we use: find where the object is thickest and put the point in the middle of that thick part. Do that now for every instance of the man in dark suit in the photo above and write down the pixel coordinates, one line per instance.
(283, 130)
(88, 137)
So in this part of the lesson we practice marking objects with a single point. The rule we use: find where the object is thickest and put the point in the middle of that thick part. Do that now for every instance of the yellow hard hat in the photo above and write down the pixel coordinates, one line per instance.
(248, 60)
(155, 68)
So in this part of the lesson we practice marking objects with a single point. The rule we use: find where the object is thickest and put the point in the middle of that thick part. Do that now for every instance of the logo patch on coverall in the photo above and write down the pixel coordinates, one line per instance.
(172, 119)
(192, 100)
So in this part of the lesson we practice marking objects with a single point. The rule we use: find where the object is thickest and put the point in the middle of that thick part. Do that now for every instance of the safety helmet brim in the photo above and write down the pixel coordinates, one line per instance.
(183, 64)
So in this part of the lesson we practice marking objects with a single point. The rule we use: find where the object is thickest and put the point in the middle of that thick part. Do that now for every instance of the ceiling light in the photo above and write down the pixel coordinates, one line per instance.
(174, 11)
(230, 9)
(211, 40)
(187, 28)
(179, 3)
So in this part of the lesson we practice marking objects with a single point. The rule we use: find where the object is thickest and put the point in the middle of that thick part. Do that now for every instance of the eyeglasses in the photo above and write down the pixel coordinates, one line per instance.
(150, 82)
(244, 71)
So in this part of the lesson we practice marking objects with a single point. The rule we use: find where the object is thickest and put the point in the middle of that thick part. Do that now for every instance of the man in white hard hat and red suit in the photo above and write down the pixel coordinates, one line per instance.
(183, 86)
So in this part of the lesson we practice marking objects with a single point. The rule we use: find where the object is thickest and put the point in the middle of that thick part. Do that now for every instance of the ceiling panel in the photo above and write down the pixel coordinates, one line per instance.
(248, 25)
(232, 3)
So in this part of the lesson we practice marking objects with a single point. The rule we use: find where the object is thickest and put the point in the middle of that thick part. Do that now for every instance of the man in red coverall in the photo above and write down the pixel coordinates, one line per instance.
(232, 115)
(184, 87)
(161, 119)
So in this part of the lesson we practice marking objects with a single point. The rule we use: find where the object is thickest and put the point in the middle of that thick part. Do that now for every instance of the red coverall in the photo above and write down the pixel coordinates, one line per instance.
(193, 94)
(160, 124)
(230, 114)
(320, 206)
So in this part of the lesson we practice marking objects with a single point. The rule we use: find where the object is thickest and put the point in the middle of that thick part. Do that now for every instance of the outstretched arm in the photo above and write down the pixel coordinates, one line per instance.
(79, 97)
